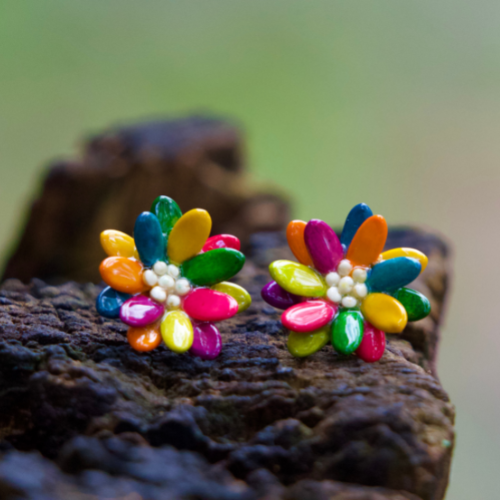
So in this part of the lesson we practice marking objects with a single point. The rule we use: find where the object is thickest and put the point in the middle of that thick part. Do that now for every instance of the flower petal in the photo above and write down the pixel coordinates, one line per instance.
(213, 267)
(109, 301)
(297, 278)
(392, 274)
(308, 316)
(207, 342)
(407, 252)
(222, 241)
(417, 306)
(353, 222)
(295, 236)
(189, 235)
(368, 242)
(118, 244)
(372, 346)
(324, 246)
(237, 292)
(301, 345)
(177, 331)
(168, 213)
(278, 297)
(122, 274)
(384, 312)
(145, 338)
(141, 311)
(347, 331)
(205, 304)
(149, 239)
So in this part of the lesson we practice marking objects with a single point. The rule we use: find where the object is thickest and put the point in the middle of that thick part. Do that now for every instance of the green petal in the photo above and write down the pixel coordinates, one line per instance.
(168, 213)
(417, 305)
(213, 267)
(297, 278)
(347, 331)
(301, 345)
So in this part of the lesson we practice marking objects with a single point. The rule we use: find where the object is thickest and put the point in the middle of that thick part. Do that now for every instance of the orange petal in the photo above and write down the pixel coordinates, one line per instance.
(145, 338)
(122, 274)
(295, 237)
(368, 242)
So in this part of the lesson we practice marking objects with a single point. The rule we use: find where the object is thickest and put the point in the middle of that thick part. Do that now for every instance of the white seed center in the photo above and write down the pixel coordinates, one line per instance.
(344, 289)
(167, 285)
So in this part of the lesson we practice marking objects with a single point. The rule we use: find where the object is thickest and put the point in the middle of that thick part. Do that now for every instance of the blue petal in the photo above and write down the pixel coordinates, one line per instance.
(109, 302)
(356, 217)
(392, 274)
(149, 239)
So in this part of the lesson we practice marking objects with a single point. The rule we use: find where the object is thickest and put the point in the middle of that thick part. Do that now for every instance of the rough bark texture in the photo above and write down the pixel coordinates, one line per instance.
(198, 161)
(84, 416)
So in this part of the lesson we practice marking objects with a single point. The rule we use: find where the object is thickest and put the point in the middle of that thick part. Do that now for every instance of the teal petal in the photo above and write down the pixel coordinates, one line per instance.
(347, 331)
(392, 274)
(109, 302)
(417, 305)
(168, 213)
(149, 239)
(356, 217)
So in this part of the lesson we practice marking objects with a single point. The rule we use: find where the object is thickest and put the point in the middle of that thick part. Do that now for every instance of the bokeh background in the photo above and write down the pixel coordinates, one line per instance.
(393, 103)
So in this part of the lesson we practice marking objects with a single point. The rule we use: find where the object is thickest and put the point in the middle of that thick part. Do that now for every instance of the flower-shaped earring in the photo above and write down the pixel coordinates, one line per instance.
(345, 289)
(169, 280)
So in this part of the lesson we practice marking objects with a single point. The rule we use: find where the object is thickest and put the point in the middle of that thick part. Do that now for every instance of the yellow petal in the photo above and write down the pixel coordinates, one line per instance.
(177, 331)
(237, 292)
(406, 252)
(189, 235)
(297, 278)
(305, 344)
(384, 312)
(118, 244)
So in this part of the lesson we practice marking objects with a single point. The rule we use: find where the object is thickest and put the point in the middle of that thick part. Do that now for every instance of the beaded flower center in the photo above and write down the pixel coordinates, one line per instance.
(347, 285)
(167, 285)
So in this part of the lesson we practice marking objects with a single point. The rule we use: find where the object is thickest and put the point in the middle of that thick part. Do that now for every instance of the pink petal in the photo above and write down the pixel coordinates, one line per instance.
(324, 246)
(205, 304)
(372, 346)
(308, 316)
(221, 241)
(140, 311)
(207, 343)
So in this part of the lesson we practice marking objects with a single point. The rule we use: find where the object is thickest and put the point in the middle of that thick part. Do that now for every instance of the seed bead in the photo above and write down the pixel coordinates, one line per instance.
(182, 286)
(349, 301)
(158, 294)
(334, 295)
(160, 268)
(149, 277)
(173, 271)
(359, 275)
(345, 267)
(173, 301)
(345, 285)
(166, 282)
(332, 279)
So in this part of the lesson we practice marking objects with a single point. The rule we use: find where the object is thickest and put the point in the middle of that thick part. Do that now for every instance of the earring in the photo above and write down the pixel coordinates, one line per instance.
(347, 291)
(169, 281)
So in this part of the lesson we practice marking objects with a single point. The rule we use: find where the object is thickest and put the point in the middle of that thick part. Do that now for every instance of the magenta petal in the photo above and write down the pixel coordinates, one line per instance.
(205, 304)
(372, 346)
(140, 311)
(207, 343)
(308, 316)
(324, 246)
(278, 297)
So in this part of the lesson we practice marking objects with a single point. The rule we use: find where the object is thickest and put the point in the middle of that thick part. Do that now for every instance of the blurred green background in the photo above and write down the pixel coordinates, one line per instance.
(393, 103)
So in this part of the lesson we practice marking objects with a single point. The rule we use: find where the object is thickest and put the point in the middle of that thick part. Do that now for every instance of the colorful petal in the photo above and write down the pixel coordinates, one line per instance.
(368, 242)
(417, 306)
(308, 316)
(297, 278)
(109, 301)
(205, 304)
(118, 244)
(168, 213)
(301, 345)
(407, 252)
(372, 346)
(213, 267)
(278, 297)
(222, 241)
(145, 338)
(353, 222)
(149, 239)
(295, 237)
(324, 246)
(347, 331)
(177, 331)
(207, 342)
(392, 274)
(141, 311)
(189, 235)
(122, 274)
(384, 312)
(237, 292)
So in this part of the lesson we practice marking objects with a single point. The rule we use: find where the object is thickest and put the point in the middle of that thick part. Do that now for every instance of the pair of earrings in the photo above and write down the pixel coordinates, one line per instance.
(169, 283)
